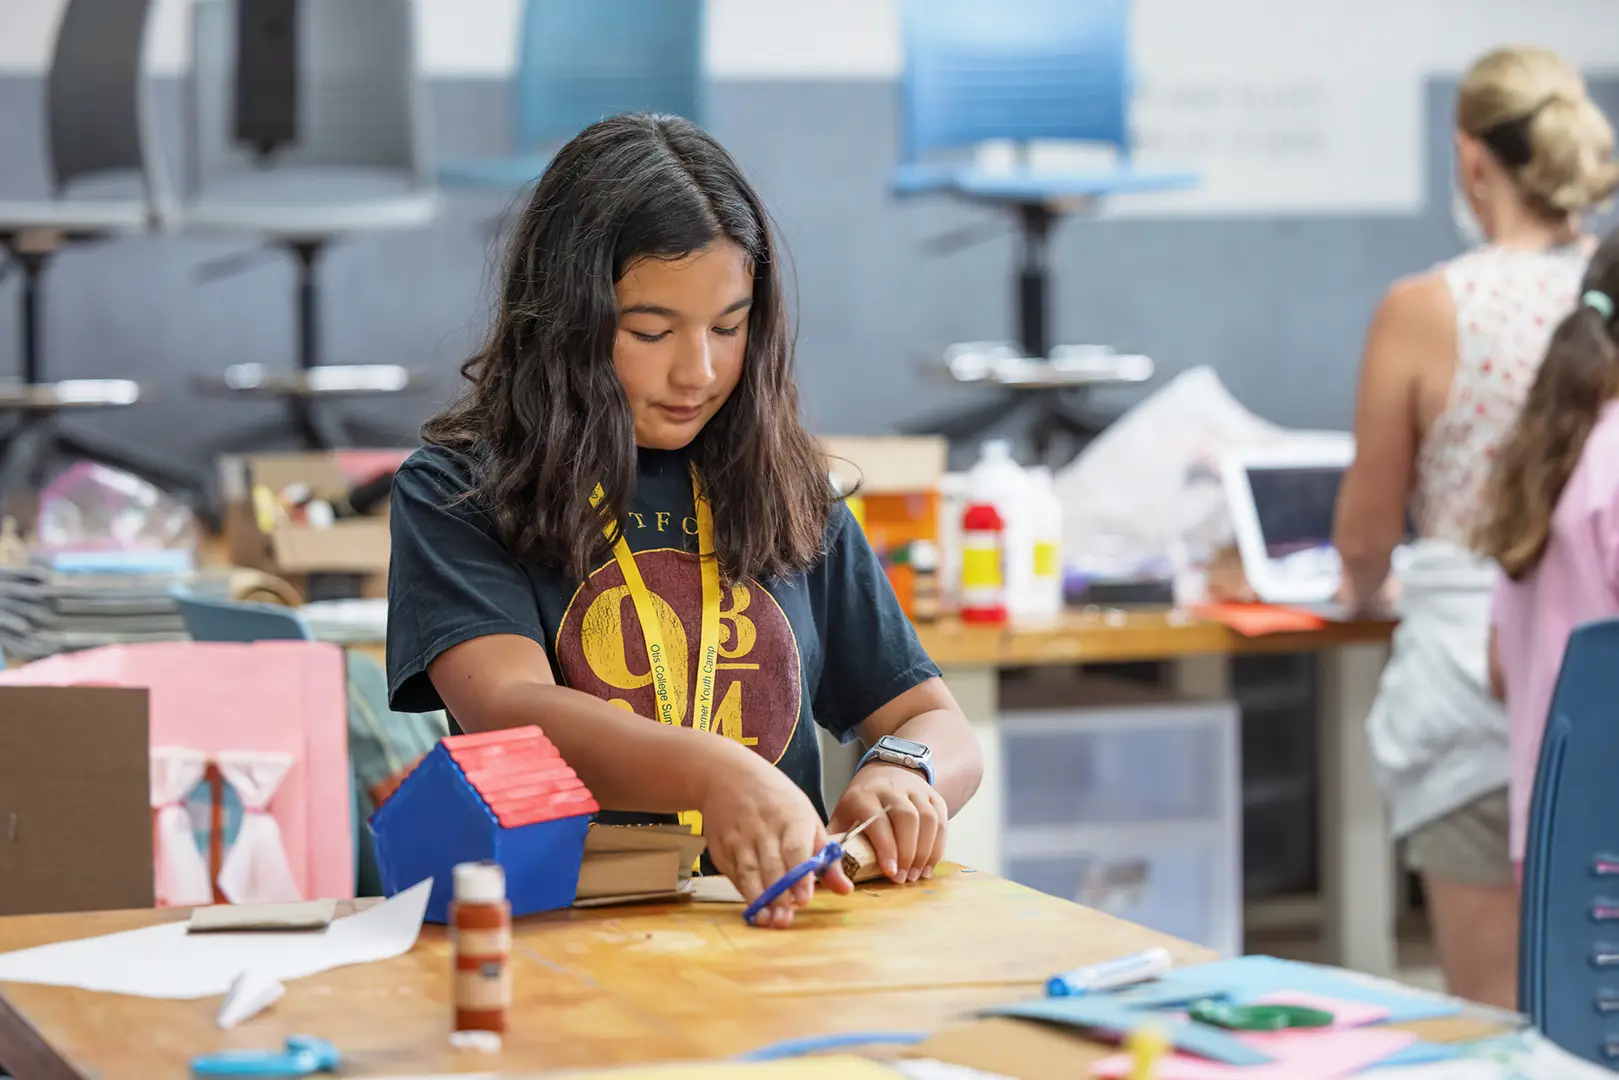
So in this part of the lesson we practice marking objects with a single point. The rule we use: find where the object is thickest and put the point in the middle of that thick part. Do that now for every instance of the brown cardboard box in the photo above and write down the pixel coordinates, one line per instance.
(302, 553)
(75, 806)
(886, 464)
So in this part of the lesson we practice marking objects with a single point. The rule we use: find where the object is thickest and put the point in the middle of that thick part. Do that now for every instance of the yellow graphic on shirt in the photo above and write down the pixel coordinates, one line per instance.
(601, 635)
(756, 681)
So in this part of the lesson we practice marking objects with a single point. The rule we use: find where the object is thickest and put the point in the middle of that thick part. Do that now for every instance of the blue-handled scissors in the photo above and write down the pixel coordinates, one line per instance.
(817, 864)
(304, 1055)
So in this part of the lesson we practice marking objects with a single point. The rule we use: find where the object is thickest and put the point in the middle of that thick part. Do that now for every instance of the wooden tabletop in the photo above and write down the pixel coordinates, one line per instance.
(606, 987)
(1111, 637)
(1094, 636)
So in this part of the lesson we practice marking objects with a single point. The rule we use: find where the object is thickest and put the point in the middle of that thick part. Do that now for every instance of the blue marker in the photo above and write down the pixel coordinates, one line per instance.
(1110, 974)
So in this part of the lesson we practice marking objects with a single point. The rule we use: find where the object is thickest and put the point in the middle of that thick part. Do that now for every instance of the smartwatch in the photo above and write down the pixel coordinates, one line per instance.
(905, 752)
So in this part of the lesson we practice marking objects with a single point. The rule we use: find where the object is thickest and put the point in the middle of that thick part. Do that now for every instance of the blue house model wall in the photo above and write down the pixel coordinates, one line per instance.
(505, 796)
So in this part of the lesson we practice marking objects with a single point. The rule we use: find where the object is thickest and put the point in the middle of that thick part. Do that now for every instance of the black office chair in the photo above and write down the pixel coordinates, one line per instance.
(107, 179)
(330, 148)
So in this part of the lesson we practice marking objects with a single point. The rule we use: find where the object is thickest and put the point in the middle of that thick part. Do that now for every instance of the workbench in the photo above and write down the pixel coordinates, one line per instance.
(1357, 860)
(604, 987)
(1358, 870)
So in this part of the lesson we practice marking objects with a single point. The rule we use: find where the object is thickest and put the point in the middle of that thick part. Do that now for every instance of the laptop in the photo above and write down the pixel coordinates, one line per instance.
(1281, 498)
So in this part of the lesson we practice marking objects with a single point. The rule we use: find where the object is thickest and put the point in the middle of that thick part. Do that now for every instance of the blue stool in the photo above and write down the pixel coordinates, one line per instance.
(1020, 71)
(1568, 963)
(580, 62)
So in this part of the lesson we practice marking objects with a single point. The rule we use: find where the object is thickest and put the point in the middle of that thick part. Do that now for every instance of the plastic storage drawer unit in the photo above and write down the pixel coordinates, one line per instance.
(1126, 799)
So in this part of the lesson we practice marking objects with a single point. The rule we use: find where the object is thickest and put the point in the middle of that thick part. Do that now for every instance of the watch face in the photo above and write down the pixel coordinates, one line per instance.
(903, 746)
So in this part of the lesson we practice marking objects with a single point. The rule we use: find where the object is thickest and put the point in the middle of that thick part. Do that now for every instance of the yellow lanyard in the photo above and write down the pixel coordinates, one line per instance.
(658, 658)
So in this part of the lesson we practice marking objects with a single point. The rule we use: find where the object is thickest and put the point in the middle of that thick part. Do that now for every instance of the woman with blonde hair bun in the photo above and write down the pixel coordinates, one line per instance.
(1448, 362)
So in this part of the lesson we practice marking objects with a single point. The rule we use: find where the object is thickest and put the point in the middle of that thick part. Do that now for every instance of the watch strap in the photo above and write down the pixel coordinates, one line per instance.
(925, 766)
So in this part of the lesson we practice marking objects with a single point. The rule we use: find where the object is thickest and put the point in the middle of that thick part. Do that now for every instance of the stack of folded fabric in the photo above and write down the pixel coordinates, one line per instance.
(67, 602)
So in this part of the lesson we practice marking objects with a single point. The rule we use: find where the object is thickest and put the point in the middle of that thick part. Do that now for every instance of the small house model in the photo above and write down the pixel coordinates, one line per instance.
(505, 796)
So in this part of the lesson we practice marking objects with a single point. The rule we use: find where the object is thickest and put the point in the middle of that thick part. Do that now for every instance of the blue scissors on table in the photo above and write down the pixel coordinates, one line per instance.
(304, 1055)
(817, 864)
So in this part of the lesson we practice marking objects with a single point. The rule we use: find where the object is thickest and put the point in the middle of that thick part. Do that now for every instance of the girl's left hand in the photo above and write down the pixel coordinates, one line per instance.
(909, 840)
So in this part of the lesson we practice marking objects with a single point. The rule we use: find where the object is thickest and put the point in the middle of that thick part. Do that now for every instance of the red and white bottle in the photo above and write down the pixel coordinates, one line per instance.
(983, 571)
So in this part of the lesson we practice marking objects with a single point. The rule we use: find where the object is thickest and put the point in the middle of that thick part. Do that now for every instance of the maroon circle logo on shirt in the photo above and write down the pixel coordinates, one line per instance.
(757, 684)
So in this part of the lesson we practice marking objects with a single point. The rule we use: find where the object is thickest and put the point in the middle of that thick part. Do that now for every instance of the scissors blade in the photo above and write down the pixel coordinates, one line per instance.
(860, 828)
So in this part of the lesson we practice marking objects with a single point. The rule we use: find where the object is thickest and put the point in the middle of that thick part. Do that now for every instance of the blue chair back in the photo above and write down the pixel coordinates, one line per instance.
(977, 70)
(584, 61)
(211, 619)
(1568, 974)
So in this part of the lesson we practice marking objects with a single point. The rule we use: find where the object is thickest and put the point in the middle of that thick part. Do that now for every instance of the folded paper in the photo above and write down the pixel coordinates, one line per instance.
(181, 876)
(249, 995)
(256, 870)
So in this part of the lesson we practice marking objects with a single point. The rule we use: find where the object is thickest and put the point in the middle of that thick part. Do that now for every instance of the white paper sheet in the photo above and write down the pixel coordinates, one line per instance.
(167, 962)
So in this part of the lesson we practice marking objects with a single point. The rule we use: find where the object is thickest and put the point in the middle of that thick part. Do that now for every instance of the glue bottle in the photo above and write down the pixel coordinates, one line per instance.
(1046, 599)
(480, 925)
(998, 479)
(983, 580)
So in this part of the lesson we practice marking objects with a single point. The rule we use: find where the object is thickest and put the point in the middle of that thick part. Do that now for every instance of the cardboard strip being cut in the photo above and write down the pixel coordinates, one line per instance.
(860, 861)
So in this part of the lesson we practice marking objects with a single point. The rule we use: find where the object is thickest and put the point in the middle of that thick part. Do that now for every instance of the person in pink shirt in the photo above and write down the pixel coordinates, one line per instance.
(1552, 522)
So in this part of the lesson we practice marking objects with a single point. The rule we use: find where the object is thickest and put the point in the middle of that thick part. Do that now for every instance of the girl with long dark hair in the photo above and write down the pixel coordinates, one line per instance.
(623, 533)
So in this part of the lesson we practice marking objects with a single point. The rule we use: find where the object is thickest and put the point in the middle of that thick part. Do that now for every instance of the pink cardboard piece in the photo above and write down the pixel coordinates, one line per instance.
(1300, 1054)
(279, 696)
(1345, 1014)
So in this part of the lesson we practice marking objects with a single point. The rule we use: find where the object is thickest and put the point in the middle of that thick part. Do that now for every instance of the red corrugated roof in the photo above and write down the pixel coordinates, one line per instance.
(520, 776)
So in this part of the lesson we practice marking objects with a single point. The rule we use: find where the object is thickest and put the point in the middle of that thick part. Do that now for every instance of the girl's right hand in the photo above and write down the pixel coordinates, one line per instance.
(759, 825)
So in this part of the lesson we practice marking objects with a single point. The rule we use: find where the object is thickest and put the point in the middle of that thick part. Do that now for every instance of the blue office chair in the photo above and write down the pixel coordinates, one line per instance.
(579, 63)
(1021, 71)
(1568, 964)
(212, 619)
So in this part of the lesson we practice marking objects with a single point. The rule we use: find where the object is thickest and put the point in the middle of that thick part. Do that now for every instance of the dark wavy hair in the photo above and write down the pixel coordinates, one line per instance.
(545, 418)
(1579, 375)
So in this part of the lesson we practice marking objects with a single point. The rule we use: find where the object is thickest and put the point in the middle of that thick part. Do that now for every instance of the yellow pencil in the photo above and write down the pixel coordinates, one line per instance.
(1146, 1045)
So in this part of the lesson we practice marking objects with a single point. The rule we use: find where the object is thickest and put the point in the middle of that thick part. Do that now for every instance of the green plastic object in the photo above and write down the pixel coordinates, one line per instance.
(1257, 1017)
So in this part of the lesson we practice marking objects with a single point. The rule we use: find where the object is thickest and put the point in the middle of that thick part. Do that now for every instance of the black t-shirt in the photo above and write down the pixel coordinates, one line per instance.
(830, 646)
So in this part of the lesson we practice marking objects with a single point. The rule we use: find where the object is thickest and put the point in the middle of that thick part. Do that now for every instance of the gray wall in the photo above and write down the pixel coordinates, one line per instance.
(1277, 306)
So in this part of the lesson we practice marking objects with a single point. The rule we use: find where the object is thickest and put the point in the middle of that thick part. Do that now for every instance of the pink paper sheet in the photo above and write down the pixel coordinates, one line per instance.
(1300, 1054)
(1345, 1014)
(287, 696)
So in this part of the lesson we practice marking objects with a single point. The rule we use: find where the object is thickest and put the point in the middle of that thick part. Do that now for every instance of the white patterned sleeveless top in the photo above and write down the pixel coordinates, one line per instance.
(1507, 305)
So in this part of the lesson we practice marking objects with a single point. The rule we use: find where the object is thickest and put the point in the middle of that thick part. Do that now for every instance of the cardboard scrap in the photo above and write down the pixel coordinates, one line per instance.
(638, 864)
(303, 915)
(860, 860)
(715, 889)
(75, 799)
(628, 873)
(634, 864)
